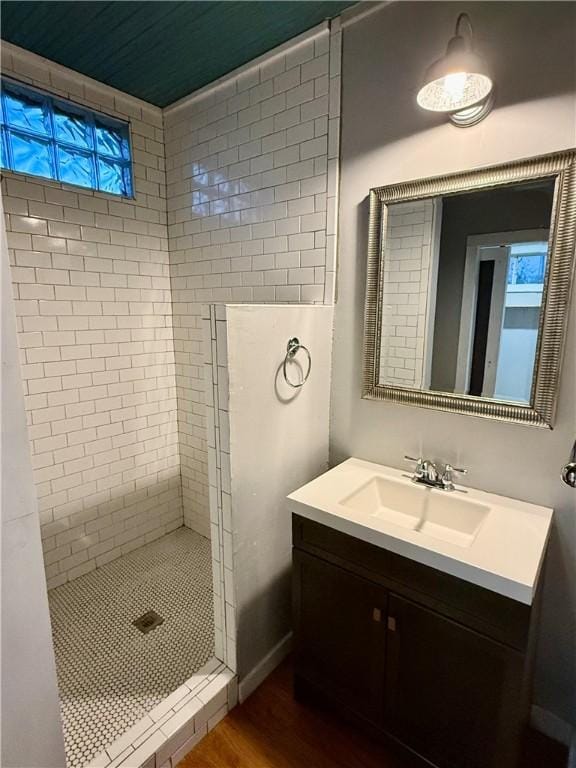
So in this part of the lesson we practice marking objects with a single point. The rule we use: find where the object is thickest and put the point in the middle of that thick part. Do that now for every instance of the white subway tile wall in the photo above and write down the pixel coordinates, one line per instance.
(252, 182)
(408, 298)
(109, 291)
(92, 288)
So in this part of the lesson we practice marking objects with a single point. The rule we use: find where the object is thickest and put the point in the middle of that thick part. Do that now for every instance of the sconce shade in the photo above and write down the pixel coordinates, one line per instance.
(457, 81)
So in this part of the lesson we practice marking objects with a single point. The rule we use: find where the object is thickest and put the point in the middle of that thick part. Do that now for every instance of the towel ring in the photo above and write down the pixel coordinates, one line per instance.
(291, 349)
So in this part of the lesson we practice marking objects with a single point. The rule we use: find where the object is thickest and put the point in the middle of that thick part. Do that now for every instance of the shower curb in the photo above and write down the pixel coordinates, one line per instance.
(167, 733)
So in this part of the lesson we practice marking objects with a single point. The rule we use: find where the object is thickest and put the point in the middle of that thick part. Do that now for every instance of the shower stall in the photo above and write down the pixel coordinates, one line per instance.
(117, 437)
(153, 612)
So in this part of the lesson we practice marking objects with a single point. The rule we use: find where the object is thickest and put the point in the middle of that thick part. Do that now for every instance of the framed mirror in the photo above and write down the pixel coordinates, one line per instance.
(468, 286)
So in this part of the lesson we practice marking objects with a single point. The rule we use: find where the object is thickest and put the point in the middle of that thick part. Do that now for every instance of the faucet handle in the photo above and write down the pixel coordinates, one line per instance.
(447, 479)
(418, 469)
(458, 470)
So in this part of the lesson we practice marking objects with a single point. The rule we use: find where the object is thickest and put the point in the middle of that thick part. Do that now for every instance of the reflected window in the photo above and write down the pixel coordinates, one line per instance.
(527, 264)
(45, 136)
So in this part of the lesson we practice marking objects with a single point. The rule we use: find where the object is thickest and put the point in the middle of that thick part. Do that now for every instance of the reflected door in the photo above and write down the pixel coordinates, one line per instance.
(501, 304)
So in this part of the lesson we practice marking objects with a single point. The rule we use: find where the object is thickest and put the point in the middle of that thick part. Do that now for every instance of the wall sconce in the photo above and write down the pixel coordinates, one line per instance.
(459, 83)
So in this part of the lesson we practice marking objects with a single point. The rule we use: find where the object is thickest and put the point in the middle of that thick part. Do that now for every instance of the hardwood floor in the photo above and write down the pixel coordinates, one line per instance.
(272, 730)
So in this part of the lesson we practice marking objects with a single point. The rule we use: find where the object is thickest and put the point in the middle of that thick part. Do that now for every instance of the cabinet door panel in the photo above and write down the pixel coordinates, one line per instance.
(340, 634)
(452, 694)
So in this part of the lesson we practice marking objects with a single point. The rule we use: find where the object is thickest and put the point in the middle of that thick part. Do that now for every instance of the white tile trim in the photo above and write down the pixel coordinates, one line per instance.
(267, 665)
(212, 692)
(216, 383)
(333, 186)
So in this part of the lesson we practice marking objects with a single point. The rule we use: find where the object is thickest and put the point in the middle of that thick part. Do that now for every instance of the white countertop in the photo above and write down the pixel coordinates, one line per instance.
(505, 555)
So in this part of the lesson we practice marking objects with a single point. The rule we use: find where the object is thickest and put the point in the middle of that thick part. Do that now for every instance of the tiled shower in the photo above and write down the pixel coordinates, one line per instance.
(94, 616)
(234, 201)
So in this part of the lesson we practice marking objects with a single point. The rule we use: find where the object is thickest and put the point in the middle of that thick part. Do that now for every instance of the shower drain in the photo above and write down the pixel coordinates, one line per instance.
(149, 621)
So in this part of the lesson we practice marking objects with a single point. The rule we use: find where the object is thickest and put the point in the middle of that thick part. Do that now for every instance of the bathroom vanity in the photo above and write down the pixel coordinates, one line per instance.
(415, 610)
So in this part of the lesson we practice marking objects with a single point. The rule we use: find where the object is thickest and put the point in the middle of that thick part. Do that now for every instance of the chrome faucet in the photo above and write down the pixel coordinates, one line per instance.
(427, 473)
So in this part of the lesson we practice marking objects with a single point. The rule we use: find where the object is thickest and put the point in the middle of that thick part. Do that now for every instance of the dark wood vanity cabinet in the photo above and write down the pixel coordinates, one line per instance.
(438, 664)
(447, 688)
(341, 642)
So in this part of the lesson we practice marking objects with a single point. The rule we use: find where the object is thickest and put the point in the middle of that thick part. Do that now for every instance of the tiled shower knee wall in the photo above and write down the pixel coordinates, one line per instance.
(252, 180)
(92, 286)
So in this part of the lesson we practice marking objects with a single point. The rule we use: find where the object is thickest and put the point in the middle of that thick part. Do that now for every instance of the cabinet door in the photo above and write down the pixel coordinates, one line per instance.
(340, 634)
(451, 694)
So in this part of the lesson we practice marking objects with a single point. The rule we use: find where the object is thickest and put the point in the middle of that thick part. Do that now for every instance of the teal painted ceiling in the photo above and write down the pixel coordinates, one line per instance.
(158, 51)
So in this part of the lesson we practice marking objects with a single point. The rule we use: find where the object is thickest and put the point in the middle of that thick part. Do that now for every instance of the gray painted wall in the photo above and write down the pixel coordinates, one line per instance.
(31, 729)
(387, 139)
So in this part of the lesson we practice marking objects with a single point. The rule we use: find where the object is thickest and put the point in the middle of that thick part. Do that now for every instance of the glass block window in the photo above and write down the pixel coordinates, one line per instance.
(42, 135)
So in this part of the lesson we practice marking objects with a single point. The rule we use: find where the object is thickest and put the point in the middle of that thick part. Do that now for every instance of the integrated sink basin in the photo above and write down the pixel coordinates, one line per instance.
(489, 540)
(453, 519)
(438, 514)
(389, 500)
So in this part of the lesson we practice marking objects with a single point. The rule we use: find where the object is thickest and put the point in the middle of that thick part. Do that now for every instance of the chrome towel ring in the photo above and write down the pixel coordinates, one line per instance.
(291, 349)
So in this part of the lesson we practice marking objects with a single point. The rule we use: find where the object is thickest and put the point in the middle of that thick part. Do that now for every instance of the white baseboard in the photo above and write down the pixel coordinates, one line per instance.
(551, 725)
(264, 667)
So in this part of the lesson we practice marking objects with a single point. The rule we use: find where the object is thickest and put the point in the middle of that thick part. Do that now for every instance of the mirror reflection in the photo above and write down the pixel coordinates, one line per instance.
(463, 279)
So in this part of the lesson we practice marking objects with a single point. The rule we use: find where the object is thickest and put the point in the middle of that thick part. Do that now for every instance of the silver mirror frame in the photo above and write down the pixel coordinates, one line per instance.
(557, 288)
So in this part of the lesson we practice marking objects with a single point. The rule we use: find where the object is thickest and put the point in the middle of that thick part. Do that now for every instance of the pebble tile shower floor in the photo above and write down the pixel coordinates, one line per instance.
(110, 674)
